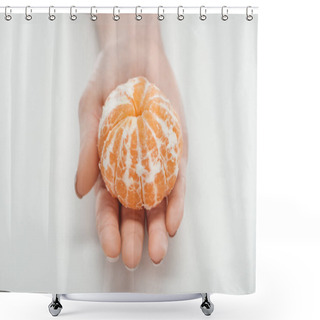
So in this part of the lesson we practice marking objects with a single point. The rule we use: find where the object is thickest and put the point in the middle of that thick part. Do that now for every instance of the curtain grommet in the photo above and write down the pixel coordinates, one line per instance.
(160, 16)
(138, 16)
(180, 13)
(203, 13)
(116, 17)
(7, 15)
(73, 16)
(224, 13)
(249, 16)
(52, 17)
(27, 11)
(93, 16)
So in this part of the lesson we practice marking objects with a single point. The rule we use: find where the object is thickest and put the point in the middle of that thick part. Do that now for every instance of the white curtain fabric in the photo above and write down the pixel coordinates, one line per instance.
(48, 237)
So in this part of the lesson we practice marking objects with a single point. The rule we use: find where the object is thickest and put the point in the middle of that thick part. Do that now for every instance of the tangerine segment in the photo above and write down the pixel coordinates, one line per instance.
(117, 107)
(127, 181)
(154, 180)
(140, 144)
(108, 162)
(139, 93)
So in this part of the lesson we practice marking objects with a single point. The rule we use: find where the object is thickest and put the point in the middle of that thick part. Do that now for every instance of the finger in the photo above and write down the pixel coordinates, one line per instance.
(132, 232)
(89, 117)
(107, 221)
(175, 206)
(158, 237)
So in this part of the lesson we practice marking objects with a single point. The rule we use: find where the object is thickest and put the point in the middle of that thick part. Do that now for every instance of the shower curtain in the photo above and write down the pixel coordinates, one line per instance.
(128, 153)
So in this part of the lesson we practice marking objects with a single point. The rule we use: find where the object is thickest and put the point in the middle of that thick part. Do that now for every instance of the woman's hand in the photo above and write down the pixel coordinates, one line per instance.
(128, 49)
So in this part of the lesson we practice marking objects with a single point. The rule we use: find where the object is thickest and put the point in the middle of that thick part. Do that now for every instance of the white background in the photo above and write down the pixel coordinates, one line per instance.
(288, 210)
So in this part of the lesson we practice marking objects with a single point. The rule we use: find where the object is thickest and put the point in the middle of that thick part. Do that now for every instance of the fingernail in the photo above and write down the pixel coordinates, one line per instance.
(131, 269)
(75, 186)
(112, 259)
(171, 236)
(157, 264)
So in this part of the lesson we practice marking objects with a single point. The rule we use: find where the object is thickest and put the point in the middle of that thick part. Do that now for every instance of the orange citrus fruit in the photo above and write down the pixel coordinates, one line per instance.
(139, 144)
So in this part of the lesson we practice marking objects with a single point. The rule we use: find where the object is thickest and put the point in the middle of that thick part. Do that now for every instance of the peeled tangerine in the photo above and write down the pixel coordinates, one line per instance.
(140, 144)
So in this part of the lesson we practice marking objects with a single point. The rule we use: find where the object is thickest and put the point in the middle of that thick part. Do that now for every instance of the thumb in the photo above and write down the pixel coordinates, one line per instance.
(89, 117)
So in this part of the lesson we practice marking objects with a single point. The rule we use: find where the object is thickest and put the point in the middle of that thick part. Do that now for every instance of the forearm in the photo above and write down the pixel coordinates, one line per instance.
(128, 29)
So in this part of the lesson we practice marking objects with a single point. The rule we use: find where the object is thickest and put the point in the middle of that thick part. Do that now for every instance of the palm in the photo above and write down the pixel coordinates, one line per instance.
(121, 229)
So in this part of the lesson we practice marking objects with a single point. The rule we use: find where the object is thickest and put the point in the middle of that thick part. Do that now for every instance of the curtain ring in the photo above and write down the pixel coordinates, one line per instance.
(73, 16)
(224, 13)
(7, 16)
(93, 16)
(116, 17)
(138, 16)
(249, 16)
(203, 13)
(52, 16)
(28, 16)
(180, 14)
(160, 16)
